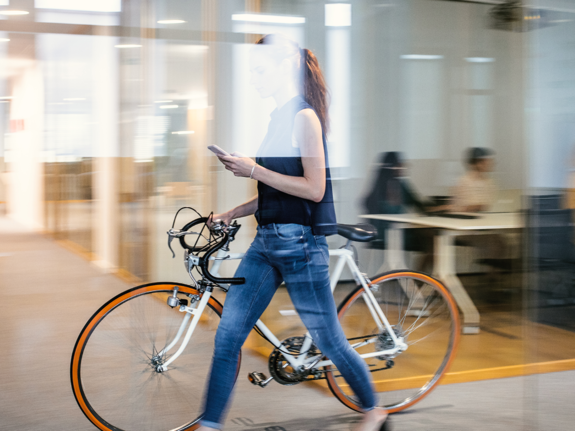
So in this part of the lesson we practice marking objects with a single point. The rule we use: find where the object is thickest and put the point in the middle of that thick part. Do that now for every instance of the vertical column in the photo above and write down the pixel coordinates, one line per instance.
(25, 191)
(106, 161)
(338, 50)
(4, 109)
(209, 37)
(198, 123)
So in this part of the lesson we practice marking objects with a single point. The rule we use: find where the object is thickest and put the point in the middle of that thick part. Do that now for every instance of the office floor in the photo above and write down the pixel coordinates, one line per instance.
(47, 293)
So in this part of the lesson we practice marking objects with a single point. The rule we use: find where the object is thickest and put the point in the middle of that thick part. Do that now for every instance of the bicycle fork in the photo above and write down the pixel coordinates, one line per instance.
(189, 311)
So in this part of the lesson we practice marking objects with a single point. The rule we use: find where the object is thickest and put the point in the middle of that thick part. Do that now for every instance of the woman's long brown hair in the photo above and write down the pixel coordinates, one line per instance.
(314, 88)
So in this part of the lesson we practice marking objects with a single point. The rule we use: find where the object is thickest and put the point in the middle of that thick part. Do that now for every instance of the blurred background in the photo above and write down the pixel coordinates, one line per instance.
(107, 107)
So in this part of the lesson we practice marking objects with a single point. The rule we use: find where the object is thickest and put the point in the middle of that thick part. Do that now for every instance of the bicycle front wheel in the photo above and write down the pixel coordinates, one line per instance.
(114, 369)
(420, 311)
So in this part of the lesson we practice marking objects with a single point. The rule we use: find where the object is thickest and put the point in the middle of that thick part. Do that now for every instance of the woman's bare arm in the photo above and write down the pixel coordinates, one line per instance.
(307, 133)
(243, 210)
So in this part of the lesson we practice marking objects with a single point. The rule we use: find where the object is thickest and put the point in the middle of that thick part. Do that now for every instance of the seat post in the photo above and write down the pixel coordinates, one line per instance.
(348, 244)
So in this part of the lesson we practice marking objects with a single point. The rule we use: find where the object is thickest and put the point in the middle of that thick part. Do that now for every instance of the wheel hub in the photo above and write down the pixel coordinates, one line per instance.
(385, 342)
(157, 363)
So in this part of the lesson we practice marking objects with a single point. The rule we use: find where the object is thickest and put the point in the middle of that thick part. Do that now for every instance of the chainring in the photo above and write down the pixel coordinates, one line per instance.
(281, 370)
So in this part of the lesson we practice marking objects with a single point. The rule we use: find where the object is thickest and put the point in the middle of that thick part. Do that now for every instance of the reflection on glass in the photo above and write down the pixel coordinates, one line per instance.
(107, 108)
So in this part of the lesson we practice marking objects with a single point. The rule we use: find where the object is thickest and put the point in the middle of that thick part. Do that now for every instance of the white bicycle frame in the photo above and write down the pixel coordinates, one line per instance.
(296, 360)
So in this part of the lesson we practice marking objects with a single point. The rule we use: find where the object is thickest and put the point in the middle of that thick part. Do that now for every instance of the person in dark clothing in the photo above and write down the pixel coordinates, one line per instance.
(391, 193)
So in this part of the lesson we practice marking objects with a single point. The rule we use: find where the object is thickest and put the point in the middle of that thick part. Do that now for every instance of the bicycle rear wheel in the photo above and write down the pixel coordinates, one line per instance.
(419, 309)
(113, 372)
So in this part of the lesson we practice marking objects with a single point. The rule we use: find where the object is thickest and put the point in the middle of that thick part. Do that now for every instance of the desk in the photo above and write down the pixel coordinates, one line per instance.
(444, 250)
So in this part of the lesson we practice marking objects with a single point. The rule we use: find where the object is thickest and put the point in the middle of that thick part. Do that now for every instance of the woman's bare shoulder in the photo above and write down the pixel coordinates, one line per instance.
(307, 116)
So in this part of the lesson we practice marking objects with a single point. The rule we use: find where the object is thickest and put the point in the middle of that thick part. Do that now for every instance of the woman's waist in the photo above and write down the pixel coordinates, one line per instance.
(288, 234)
(272, 227)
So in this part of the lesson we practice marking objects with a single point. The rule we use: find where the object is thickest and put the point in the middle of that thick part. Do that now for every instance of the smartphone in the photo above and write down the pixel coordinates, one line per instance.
(217, 150)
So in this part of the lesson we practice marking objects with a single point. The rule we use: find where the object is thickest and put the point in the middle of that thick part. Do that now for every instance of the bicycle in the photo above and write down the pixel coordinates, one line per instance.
(127, 372)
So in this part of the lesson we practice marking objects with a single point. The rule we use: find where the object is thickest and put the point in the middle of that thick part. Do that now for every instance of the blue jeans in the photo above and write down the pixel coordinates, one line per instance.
(292, 253)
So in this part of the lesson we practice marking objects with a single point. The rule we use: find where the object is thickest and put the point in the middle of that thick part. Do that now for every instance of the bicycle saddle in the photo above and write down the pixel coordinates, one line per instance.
(362, 232)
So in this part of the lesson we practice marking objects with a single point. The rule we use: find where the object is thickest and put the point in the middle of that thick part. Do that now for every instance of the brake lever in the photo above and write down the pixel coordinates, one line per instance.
(177, 233)
(171, 235)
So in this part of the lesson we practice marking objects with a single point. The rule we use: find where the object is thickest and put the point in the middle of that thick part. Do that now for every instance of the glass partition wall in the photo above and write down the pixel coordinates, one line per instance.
(550, 115)
(117, 105)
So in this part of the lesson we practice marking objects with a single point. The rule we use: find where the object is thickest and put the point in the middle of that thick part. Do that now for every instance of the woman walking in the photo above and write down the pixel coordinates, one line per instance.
(294, 209)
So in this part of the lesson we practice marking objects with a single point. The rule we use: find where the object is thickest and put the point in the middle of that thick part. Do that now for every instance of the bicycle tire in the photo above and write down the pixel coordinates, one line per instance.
(113, 378)
(430, 323)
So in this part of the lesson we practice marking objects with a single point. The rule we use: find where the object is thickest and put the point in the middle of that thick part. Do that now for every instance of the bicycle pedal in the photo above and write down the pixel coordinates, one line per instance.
(259, 379)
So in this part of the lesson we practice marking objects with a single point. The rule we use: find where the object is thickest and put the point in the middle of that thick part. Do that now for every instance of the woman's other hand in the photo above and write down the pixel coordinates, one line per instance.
(245, 209)
(226, 218)
(240, 166)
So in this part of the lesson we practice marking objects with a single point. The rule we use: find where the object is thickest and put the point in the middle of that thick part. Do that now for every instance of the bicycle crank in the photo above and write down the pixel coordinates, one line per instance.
(282, 371)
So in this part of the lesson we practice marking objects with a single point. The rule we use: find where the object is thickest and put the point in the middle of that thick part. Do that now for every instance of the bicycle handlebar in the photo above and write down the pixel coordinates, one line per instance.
(204, 260)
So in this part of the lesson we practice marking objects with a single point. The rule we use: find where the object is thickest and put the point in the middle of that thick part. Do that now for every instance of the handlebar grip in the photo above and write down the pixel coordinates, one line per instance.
(206, 259)
(224, 280)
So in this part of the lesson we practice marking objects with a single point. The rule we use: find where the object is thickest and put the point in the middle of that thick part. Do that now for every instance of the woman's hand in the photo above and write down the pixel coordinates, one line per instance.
(240, 166)
(245, 209)
(226, 218)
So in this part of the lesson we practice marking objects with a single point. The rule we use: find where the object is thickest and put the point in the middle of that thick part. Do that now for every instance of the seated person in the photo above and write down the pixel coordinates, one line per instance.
(475, 191)
(391, 193)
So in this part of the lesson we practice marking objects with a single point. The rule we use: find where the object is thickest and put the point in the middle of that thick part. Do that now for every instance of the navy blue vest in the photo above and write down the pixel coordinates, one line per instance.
(279, 153)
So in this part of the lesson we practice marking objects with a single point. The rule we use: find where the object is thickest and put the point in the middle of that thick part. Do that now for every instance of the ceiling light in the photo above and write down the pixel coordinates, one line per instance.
(171, 21)
(184, 132)
(421, 57)
(6, 98)
(127, 46)
(273, 19)
(84, 5)
(168, 106)
(479, 59)
(13, 12)
(4, 40)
